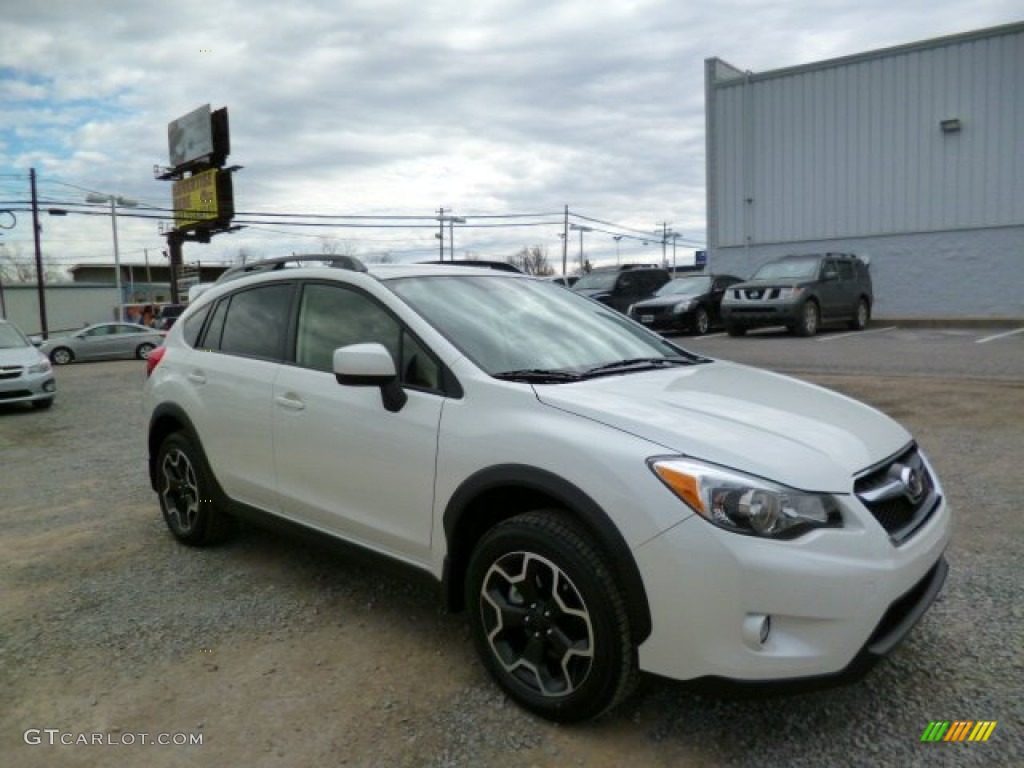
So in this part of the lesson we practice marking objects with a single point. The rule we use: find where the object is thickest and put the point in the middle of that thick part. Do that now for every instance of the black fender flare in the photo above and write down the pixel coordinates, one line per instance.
(463, 528)
(165, 419)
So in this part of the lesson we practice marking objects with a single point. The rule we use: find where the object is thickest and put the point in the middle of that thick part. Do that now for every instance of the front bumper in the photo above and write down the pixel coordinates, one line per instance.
(660, 320)
(27, 387)
(753, 315)
(837, 600)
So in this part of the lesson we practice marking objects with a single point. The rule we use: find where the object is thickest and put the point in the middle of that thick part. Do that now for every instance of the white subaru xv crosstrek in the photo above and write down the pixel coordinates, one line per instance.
(598, 499)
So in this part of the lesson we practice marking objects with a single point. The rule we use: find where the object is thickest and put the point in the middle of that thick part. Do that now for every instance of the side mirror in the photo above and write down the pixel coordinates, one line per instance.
(370, 365)
(36, 341)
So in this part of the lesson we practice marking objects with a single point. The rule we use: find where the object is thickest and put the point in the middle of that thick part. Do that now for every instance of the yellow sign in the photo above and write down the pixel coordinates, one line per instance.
(195, 200)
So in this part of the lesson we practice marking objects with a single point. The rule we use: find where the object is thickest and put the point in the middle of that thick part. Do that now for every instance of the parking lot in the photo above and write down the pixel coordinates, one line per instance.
(277, 652)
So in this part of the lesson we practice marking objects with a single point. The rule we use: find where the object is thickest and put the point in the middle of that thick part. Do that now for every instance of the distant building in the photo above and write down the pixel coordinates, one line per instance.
(146, 283)
(912, 156)
(91, 297)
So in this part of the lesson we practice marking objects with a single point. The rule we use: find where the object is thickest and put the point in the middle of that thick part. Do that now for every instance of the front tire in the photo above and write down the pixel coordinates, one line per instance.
(61, 356)
(810, 318)
(701, 322)
(191, 505)
(548, 619)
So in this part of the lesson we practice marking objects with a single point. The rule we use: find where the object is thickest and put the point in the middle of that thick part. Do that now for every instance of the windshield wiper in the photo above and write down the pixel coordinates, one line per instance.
(642, 363)
(538, 376)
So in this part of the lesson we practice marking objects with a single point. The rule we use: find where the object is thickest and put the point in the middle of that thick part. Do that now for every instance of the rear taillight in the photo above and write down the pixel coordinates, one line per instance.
(153, 359)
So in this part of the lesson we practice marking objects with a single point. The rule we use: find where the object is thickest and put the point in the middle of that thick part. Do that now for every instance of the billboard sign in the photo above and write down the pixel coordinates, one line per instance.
(190, 137)
(203, 198)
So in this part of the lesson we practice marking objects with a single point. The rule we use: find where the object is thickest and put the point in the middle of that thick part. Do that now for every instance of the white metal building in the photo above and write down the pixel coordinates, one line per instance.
(912, 156)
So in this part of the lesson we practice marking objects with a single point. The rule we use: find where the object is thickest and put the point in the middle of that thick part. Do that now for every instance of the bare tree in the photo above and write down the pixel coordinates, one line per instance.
(532, 261)
(380, 258)
(17, 268)
(335, 247)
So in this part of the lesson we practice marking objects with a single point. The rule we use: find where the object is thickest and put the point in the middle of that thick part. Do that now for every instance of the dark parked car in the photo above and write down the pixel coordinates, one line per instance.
(168, 314)
(618, 287)
(688, 303)
(801, 293)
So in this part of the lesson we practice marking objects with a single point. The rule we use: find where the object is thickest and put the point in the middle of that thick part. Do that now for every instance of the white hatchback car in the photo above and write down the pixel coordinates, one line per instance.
(599, 500)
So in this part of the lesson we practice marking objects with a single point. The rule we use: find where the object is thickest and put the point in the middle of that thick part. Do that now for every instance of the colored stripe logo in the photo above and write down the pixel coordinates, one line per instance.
(958, 730)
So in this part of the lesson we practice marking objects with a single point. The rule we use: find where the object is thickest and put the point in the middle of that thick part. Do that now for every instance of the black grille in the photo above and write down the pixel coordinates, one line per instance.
(894, 504)
(10, 372)
(14, 393)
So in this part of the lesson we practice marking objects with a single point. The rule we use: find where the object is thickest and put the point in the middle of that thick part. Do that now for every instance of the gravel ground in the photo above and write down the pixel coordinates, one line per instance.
(277, 652)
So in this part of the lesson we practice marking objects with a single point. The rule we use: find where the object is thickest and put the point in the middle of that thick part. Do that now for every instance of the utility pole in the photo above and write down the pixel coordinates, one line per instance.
(565, 240)
(440, 232)
(39, 255)
(149, 277)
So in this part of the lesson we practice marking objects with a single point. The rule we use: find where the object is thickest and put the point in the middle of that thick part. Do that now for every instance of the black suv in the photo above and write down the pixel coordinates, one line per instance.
(801, 293)
(618, 287)
(168, 314)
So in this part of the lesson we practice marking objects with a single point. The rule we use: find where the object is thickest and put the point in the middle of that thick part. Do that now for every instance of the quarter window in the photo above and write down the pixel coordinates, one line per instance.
(254, 322)
(194, 324)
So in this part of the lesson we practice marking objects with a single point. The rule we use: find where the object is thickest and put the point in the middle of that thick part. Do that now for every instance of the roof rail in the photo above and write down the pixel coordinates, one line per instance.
(501, 266)
(282, 262)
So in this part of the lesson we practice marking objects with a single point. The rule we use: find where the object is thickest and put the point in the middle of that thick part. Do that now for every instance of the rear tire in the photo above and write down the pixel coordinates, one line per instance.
(863, 316)
(191, 504)
(142, 351)
(548, 618)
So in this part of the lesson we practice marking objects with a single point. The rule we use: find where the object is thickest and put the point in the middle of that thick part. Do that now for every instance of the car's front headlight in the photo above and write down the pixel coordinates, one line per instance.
(41, 367)
(682, 306)
(744, 504)
(787, 294)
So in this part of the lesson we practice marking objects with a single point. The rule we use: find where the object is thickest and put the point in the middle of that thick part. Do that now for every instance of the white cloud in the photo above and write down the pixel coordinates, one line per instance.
(399, 107)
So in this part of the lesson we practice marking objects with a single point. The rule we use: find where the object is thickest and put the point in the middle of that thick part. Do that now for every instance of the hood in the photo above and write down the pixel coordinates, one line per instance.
(775, 282)
(592, 293)
(743, 418)
(25, 356)
(667, 301)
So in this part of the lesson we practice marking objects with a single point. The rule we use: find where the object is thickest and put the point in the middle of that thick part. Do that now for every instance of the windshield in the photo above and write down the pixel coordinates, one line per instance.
(508, 324)
(596, 281)
(11, 338)
(800, 269)
(685, 286)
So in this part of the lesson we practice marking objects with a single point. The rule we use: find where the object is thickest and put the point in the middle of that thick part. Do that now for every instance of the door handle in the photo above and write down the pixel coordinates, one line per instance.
(291, 402)
(196, 377)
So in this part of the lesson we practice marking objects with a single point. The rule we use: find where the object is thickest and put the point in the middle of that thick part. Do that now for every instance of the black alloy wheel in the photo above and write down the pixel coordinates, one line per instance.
(188, 499)
(548, 618)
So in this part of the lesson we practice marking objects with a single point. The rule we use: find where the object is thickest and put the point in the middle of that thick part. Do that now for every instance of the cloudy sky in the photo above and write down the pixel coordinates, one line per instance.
(508, 109)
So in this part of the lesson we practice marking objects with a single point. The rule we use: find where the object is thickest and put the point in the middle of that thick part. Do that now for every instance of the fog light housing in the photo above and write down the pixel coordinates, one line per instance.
(756, 629)
(50, 386)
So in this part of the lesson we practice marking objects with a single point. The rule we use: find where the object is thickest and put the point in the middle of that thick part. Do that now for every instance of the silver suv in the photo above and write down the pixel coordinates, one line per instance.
(801, 293)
